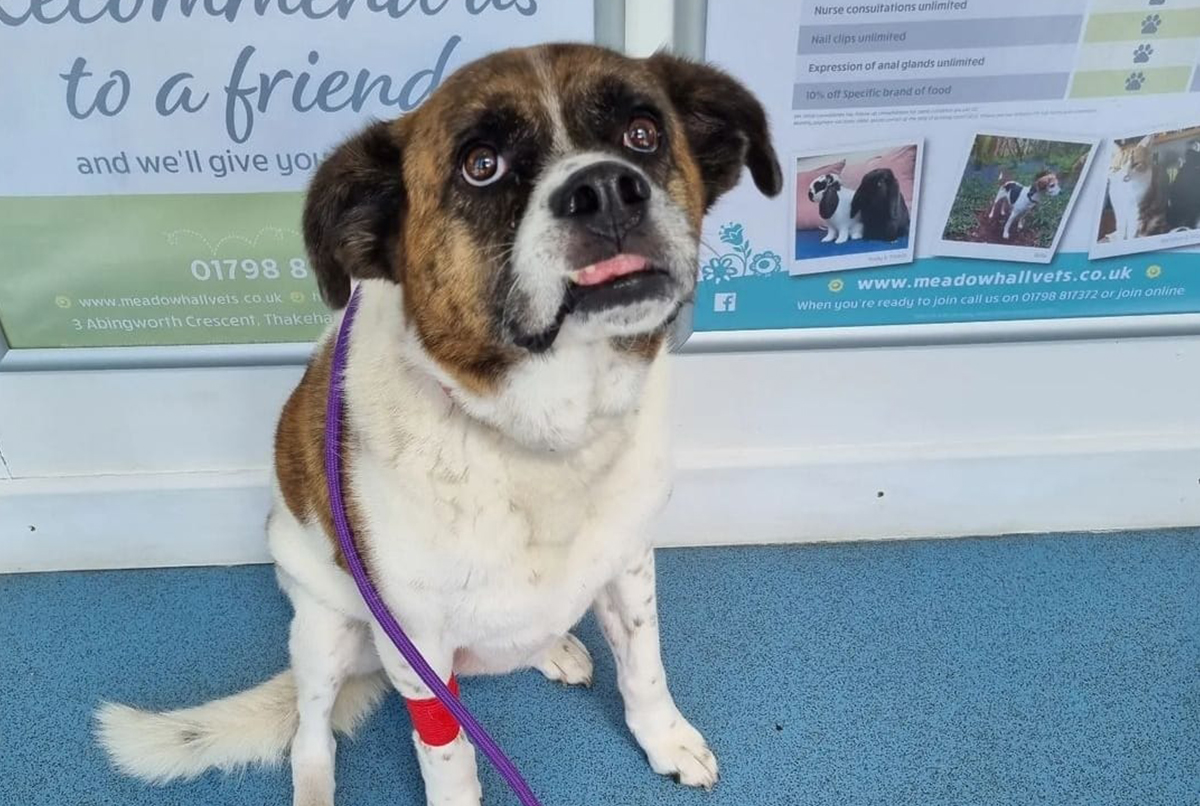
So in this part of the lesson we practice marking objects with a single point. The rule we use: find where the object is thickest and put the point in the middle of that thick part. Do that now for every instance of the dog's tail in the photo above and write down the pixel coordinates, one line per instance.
(252, 727)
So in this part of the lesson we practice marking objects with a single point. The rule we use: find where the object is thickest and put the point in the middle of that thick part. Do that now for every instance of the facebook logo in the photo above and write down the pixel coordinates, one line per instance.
(725, 303)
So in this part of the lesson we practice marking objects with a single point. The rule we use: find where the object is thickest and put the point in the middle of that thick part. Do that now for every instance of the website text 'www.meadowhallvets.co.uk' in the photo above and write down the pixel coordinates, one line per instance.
(1033, 285)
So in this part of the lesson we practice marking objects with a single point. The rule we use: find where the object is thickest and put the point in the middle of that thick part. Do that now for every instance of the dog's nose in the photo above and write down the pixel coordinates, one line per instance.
(608, 198)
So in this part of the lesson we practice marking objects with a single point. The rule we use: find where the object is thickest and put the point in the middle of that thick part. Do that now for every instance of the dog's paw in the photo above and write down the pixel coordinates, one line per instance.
(678, 750)
(312, 788)
(472, 798)
(449, 772)
(311, 799)
(566, 661)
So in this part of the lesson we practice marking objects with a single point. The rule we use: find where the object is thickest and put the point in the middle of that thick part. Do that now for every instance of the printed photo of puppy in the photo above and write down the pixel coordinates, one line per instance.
(1015, 197)
(1014, 201)
(856, 209)
(1151, 193)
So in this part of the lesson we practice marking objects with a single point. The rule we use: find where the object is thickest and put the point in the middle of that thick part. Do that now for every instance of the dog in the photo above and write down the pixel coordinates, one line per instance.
(880, 205)
(521, 244)
(1018, 200)
(834, 203)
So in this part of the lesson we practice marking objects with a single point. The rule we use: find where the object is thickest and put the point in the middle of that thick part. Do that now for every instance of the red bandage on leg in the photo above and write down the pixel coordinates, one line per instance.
(432, 721)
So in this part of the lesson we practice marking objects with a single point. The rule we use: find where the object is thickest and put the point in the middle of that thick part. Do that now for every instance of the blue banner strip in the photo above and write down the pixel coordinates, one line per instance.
(762, 296)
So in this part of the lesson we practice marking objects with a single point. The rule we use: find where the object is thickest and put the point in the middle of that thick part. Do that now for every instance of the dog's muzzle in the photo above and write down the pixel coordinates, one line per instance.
(607, 199)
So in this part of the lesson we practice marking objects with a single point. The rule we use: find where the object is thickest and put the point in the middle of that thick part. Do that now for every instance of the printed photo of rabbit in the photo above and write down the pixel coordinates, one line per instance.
(856, 209)
(1015, 197)
(1151, 194)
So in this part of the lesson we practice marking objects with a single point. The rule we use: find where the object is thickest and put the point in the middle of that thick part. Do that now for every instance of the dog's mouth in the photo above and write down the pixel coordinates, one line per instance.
(620, 280)
(615, 282)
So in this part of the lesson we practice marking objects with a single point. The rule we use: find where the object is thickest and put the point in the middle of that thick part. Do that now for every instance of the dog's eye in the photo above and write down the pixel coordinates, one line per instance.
(483, 165)
(642, 135)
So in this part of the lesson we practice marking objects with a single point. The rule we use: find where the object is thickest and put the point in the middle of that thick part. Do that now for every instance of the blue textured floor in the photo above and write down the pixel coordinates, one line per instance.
(1053, 670)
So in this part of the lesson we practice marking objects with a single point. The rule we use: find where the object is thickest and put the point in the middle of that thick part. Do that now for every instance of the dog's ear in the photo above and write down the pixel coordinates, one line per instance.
(725, 125)
(829, 202)
(353, 211)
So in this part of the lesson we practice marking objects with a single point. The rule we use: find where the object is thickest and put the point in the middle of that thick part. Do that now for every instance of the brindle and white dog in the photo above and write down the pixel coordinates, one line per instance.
(1016, 200)
(523, 242)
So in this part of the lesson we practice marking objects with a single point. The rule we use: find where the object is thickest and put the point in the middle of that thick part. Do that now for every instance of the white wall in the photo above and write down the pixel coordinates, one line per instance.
(169, 466)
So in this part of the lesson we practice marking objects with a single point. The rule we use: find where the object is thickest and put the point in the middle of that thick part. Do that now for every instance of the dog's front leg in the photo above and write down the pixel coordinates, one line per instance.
(628, 613)
(448, 769)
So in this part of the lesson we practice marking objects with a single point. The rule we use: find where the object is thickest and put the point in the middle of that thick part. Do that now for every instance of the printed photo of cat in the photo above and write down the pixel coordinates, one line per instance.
(1151, 194)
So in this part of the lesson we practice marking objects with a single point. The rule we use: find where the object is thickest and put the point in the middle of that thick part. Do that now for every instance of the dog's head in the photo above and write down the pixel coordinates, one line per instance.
(539, 194)
(822, 183)
(1046, 183)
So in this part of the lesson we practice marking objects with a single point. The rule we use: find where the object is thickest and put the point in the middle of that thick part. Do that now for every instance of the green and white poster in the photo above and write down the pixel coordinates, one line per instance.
(153, 153)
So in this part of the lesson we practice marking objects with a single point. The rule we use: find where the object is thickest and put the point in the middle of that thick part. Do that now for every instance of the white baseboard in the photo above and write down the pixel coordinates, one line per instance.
(720, 498)
(133, 521)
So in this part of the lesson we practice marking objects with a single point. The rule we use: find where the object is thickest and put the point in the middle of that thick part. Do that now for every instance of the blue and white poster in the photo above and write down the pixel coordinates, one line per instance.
(961, 162)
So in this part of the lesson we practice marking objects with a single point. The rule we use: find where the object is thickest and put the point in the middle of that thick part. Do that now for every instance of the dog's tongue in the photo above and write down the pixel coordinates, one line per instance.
(606, 270)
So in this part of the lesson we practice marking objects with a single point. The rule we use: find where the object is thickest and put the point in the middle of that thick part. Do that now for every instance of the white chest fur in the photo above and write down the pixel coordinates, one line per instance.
(499, 526)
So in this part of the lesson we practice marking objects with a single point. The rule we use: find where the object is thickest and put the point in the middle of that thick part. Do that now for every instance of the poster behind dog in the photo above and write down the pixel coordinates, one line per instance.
(1015, 108)
(153, 155)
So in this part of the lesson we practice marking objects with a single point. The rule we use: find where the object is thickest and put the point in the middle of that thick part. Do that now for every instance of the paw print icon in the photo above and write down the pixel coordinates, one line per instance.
(1151, 24)
(1135, 82)
(1142, 54)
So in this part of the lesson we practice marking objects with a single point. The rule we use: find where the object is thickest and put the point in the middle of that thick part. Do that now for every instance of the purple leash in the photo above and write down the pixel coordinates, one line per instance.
(333, 474)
